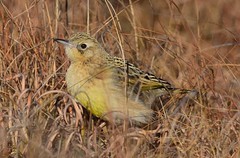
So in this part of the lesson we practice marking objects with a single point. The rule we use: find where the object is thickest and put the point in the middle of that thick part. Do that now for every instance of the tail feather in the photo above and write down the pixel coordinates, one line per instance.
(179, 91)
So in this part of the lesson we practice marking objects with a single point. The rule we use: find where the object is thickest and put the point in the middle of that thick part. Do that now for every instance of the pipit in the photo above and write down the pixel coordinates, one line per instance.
(109, 87)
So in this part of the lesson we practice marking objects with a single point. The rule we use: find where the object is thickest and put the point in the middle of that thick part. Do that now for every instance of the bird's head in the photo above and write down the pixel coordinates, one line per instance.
(81, 47)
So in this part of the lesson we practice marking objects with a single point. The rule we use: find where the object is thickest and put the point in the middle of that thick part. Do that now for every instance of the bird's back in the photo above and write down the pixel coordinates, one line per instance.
(141, 85)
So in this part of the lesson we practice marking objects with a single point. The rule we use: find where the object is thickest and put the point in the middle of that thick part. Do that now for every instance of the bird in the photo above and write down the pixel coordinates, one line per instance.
(110, 87)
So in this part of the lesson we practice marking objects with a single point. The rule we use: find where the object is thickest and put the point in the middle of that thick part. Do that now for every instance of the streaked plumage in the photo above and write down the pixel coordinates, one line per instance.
(98, 80)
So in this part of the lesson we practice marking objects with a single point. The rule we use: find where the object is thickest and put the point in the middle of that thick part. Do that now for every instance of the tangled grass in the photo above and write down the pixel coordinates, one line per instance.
(193, 44)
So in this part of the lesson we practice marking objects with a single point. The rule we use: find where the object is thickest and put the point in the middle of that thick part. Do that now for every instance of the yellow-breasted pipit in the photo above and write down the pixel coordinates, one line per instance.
(98, 81)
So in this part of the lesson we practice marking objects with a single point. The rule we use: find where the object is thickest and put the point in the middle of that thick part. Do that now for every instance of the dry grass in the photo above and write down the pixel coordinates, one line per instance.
(193, 44)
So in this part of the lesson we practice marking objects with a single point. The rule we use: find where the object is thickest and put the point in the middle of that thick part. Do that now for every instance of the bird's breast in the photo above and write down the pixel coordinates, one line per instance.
(93, 89)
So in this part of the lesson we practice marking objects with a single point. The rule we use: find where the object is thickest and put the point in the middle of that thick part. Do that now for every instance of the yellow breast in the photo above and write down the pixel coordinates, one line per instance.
(91, 89)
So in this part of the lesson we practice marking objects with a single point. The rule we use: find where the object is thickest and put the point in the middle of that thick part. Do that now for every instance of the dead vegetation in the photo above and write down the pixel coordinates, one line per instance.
(193, 44)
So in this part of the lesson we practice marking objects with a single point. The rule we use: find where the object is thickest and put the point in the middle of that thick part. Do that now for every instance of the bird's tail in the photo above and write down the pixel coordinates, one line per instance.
(179, 91)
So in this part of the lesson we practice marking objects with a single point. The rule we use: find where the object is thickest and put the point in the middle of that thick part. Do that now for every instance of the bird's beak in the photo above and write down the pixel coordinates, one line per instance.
(63, 41)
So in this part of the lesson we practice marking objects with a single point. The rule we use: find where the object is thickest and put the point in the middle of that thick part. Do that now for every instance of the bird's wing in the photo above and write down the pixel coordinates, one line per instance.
(135, 76)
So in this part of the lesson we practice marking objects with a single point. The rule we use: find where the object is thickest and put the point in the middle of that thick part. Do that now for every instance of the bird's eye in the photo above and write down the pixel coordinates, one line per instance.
(83, 46)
